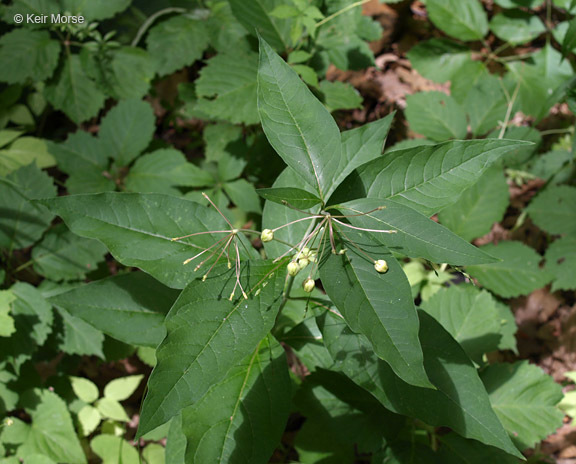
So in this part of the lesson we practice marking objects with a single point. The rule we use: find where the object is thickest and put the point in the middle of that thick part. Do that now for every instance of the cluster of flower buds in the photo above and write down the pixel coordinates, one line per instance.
(301, 259)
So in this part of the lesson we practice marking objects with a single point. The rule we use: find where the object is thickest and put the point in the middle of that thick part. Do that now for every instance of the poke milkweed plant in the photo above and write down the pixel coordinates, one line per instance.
(340, 217)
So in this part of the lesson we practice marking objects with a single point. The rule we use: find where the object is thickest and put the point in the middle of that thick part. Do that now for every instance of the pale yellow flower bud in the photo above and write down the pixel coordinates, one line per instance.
(267, 235)
(293, 268)
(308, 285)
(381, 266)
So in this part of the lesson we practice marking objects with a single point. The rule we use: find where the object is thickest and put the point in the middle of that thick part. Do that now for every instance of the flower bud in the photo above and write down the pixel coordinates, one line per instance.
(381, 266)
(267, 235)
(303, 262)
(309, 285)
(293, 268)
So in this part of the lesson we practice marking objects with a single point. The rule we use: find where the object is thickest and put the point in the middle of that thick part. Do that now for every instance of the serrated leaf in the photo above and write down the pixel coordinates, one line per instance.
(227, 88)
(79, 337)
(52, 433)
(554, 210)
(73, 92)
(436, 116)
(561, 263)
(205, 340)
(486, 105)
(81, 151)
(95, 10)
(297, 125)
(462, 19)
(114, 450)
(255, 16)
(62, 255)
(162, 170)
(479, 207)
(415, 235)
(24, 151)
(120, 389)
(244, 414)
(84, 389)
(22, 222)
(516, 274)
(138, 229)
(460, 401)
(6, 321)
(524, 399)
(129, 307)
(439, 59)
(425, 178)
(127, 130)
(296, 197)
(470, 315)
(380, 306)
(27, 54)
(176, 42)
(129, 74)
(517, 26)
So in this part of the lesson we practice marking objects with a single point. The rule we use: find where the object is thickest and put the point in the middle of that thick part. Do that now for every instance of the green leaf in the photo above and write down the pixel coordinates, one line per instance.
(520, 154)
(114, 450)
(296, 124)
(7, 328)
(306, 340)
(516, 26)
(27, 54)
(162, 170)
(84, 389)
(120, 389)
(561, 263)
(462, 19)
(486, 105)
(516, 274)
(127, 130)
(129, 73)
(359, 146)
(296, 197)
(426, 178)
(81, 151)
(458, 450)
(208, 334)
(436, 116)
(62, 255)
(439, 60)
(479, 207)
(79, 337)
(460, 401)
(154, 454)
(89, 418)
(243, 416)
(243, 195)
(569, 42)
(520, 3)
(22, 221)
(227, 88)
(7, 136)
(176, 42)
(553, 166)
(470, 315)
(73, 92)
(51, 433)
(415, 235)
(307, 74)
(95, 10)
(24, 151)
(553, 210)
(143, 237)
(524, 399)
(380, 306)
(340, 96)
(129, 307)
(111, 409)
(255, 17)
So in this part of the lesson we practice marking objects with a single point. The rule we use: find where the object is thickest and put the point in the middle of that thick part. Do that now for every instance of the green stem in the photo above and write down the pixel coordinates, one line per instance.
(286, 293)
(509, 111)
(339, 12)
(24, 266)
(151, 20)
(556, 131)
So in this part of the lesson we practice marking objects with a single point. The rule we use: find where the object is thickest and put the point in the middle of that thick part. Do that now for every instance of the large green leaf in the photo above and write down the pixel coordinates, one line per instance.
(517, 272)
(127, 130)
(460, 401)
(416, 236)
(255, 17)
(227, 88)
(129, 73)
(380, 306)
(73, 92)
(458, 450)
(517, 26)
(524, 399)
(554, 210)
(241, 418)
(561, 262)
(129, 307)
(24, 151)
(479, 207)
(359, 146)
(296, 124)
(176, 42)
(436, 116)
(470, 315)
(462, 19)
(439, 59)
(138, 230)
(208, 334)
(486, 105)
(22, 222)
(27, 54)
(426, 178)
(78, 337)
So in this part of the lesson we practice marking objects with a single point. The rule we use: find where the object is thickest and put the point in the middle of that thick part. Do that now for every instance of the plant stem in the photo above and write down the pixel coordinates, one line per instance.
(151, 20)
(339, 12)
(509, 111)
